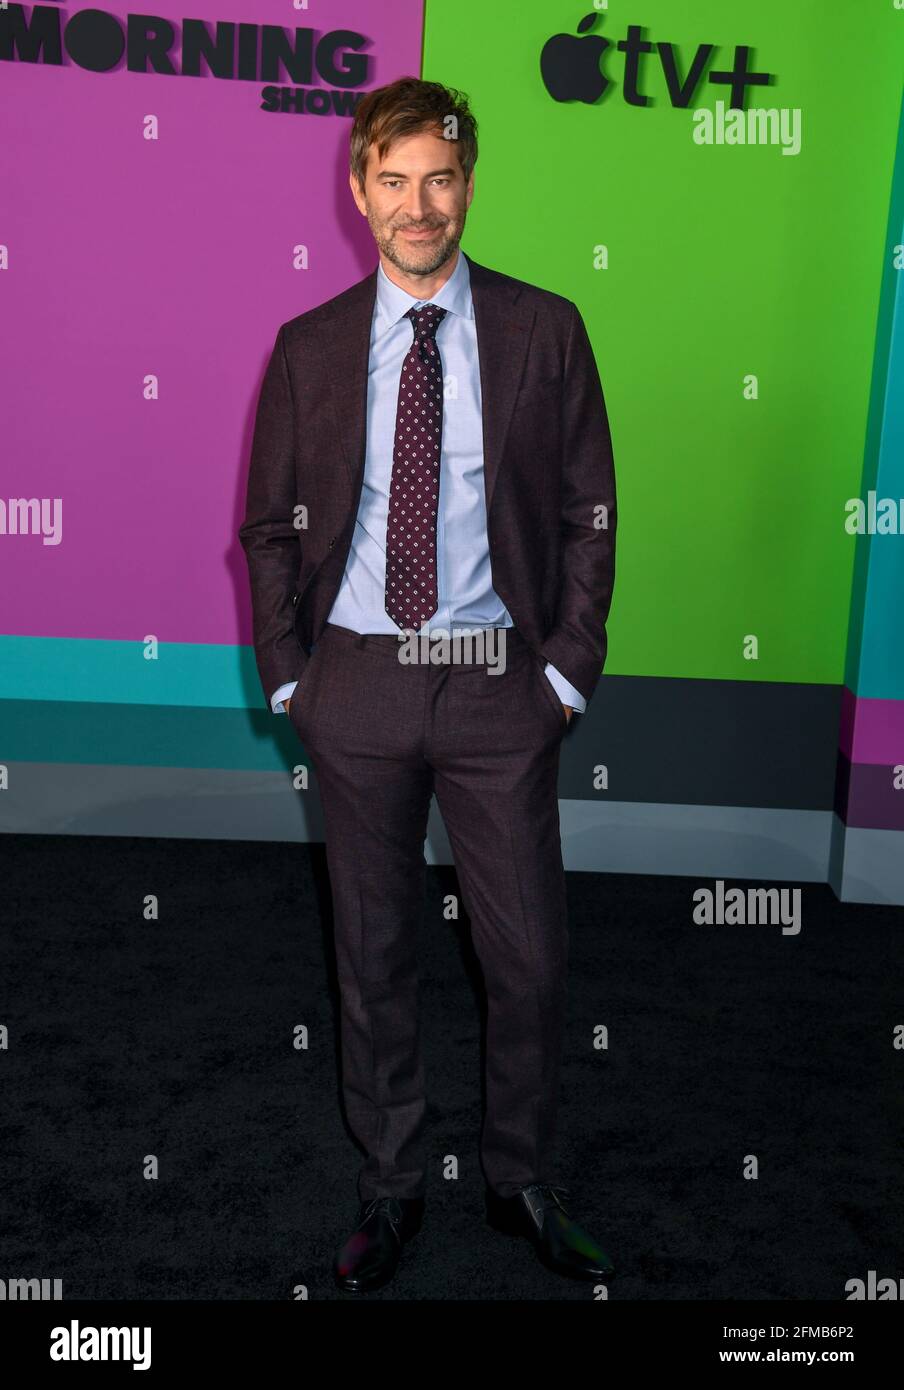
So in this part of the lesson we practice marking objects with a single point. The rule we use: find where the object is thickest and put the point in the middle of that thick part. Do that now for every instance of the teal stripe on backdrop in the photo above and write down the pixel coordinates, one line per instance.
(882, 656)
(875, 663)
(76, 731)
(98, 672)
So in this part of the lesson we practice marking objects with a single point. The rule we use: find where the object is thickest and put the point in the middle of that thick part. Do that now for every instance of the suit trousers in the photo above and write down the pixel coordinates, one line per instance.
(383, 737)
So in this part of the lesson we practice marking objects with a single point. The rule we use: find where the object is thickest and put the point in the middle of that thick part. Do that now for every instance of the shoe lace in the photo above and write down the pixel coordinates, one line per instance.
(389, 1205)
(551, 1195)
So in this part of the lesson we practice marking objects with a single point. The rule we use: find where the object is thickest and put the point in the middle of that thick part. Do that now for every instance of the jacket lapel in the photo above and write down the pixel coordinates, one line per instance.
(346, 352)
(504, 326)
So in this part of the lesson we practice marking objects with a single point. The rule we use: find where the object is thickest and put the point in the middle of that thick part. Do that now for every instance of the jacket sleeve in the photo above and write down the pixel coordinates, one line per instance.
(268, 534)
(577, 643)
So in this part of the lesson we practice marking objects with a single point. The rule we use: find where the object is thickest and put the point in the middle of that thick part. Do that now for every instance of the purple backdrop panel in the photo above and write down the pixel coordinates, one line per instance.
(171, 261)
(872, 731)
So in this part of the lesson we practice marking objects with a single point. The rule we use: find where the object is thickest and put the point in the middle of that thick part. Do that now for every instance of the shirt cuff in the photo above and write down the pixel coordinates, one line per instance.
(566, 693)
(283, 693)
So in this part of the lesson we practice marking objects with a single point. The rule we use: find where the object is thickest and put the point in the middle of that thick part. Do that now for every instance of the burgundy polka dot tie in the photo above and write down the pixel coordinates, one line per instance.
(414, 489)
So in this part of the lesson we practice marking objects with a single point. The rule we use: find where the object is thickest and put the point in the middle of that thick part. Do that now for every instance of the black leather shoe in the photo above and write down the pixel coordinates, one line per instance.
(539, 1212)
(370, 1256)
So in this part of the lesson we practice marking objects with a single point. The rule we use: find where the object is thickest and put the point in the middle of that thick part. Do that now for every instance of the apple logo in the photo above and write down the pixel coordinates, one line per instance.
(570, 67)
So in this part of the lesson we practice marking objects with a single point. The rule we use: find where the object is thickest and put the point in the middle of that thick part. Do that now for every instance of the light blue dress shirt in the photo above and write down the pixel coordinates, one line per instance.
(465, 593)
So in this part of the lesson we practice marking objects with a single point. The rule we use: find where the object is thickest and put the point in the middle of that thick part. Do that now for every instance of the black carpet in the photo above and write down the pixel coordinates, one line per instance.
(175, 1038)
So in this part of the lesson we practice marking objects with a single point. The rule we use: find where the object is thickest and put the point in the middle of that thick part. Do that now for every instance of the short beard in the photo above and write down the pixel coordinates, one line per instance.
(394, 251)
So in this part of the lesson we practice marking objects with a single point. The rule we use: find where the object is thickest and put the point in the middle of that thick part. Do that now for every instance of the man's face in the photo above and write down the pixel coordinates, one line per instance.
(416, 201)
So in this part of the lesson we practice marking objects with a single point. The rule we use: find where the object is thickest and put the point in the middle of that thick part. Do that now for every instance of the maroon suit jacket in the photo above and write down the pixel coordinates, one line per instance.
(548, 470)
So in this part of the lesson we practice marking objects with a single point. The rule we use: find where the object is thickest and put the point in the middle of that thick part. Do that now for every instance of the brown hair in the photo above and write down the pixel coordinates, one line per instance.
(409, 106)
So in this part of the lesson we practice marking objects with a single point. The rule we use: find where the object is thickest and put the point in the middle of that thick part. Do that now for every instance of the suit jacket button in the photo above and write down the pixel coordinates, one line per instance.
(332, 542)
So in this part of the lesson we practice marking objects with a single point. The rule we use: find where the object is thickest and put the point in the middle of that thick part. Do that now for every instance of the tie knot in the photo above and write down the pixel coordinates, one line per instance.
(426, 321)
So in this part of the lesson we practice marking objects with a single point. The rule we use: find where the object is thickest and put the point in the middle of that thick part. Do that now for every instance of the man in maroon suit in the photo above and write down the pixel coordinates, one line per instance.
(441, 433)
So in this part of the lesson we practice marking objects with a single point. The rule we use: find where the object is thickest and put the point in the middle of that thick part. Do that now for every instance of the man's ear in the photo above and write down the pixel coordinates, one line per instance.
(356, 192)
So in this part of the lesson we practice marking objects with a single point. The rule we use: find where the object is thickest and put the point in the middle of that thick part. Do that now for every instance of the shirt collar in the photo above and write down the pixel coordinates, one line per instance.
(392, 302)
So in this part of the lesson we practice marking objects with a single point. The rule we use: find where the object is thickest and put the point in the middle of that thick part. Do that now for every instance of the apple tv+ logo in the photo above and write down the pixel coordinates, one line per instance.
(571, 68)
